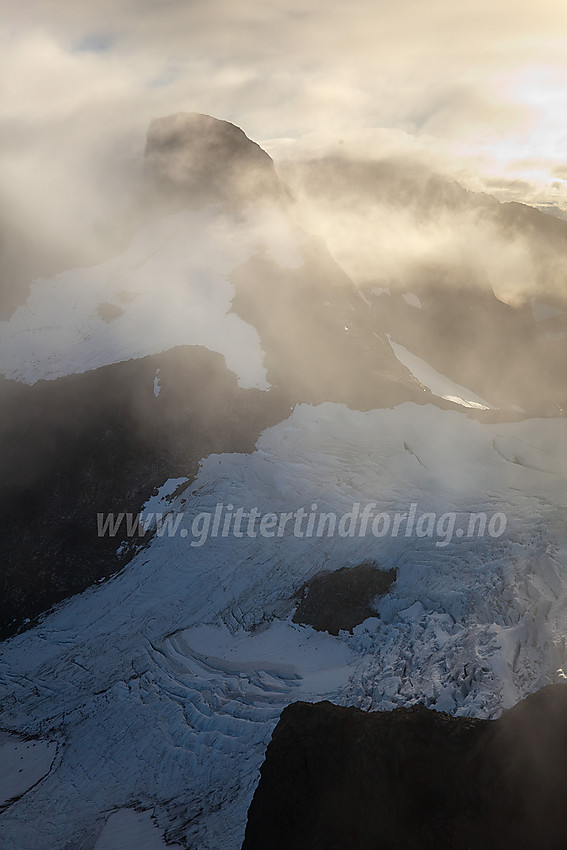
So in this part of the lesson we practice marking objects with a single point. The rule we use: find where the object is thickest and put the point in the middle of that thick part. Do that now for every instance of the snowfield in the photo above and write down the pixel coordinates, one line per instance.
(24, 763)
(129, 828)
(170, 287)
(161, 687)
(439, 384)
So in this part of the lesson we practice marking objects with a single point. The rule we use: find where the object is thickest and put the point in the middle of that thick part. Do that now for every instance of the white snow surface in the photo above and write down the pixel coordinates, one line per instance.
(438, 383)
(162, 686)
(541, 311)
(23, 764)
(157, 383)
(127, 829)
(412, 299)
(170, 287)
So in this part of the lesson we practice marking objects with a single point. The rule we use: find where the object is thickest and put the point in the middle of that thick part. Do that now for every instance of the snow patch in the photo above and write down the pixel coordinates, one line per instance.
(541, 311)
(128, 828)
(437, 383)
(315, 664)
(24, 763)
(157, 384)
(172, 287)
(412, 300)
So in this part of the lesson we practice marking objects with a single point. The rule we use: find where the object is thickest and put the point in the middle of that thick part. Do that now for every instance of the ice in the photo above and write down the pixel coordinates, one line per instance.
(157, 384)
(23, 764)
(128, 828)
(314, 663)
(159, 502)
(439, 384)
(162, 686)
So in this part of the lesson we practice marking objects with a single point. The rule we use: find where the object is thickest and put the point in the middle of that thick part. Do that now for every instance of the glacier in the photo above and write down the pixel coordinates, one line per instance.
(158, 690)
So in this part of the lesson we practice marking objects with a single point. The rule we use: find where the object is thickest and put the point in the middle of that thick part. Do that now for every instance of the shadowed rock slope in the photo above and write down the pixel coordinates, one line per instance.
(102, 442)
(339, 778)
(342, 599)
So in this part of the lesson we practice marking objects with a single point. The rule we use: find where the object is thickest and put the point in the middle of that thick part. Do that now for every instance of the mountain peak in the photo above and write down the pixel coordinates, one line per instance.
(202, 159)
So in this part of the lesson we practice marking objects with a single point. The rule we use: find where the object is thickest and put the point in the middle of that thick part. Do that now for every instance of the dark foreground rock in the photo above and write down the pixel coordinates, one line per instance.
(342, 599)
(414, 779)
(102, 442)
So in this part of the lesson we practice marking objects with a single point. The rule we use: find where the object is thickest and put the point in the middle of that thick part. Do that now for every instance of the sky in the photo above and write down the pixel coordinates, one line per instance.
(479, 89)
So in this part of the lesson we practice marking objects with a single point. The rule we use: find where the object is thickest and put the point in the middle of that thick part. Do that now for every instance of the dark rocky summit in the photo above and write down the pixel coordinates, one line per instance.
(332, 601)
(197, 159)
(414, 779)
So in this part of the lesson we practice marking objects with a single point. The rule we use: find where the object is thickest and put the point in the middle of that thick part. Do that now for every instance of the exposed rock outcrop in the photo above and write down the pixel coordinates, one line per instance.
(414, 779)
(332, 601)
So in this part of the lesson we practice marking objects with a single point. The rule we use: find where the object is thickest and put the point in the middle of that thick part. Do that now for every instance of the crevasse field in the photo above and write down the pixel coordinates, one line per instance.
(173, 674)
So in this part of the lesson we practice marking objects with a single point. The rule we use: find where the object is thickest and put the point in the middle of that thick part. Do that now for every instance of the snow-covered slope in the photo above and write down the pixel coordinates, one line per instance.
(162, 686)
(439, 384)
(170, 287)
(131, 828)
(24, 764)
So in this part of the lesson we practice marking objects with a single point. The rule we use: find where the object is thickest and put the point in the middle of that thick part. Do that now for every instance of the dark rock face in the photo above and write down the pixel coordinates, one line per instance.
(463, 332)
(102, 442)
(414, 779)
(320, 340)
(198, 159)
(342, 599)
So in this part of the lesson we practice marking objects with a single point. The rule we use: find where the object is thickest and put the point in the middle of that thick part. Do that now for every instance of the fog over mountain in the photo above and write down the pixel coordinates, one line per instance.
(283, 467)
(262, 453)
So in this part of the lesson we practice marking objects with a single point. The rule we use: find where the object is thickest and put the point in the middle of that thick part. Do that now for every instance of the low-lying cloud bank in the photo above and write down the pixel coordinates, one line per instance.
(480, 86)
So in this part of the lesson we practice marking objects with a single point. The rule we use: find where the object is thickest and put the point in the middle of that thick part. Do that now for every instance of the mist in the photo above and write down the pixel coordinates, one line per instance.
(290, 260)
(82, 83)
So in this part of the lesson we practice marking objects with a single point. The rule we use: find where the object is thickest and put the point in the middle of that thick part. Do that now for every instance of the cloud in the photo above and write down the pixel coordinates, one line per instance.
(478, 85)
(393, 221)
